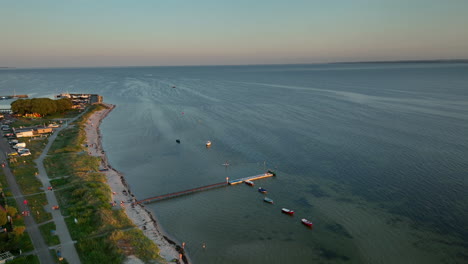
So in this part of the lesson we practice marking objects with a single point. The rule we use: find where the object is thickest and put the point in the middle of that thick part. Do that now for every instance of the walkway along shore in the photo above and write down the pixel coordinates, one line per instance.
(141, 217)
(66, 243)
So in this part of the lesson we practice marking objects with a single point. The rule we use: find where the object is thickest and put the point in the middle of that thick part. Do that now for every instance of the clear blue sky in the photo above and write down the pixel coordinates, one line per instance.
(43, 33)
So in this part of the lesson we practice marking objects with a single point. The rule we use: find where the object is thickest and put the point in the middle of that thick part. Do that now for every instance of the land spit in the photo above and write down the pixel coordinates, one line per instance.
(122, 195)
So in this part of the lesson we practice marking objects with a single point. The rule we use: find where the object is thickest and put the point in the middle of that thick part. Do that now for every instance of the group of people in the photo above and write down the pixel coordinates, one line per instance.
(122, 203)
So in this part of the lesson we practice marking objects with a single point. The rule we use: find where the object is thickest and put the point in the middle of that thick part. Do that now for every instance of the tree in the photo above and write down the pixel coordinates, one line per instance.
(3, 217)
(64, 104)
(11, 211)
(42, 106)
(18, 230)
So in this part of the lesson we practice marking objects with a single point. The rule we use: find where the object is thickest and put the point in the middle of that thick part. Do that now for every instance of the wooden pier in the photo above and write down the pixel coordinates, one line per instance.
(177, 194)
(204, 188)
(252, 178)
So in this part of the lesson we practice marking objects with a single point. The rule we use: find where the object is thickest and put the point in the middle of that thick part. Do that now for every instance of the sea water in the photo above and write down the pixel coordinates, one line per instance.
(374, 154)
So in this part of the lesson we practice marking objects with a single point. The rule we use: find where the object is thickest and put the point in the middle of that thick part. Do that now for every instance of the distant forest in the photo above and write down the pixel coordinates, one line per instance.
(41, 106)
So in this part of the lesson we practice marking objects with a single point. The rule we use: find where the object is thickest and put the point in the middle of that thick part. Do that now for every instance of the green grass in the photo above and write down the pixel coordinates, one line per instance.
(30, 259)
(46, 230)
(25, 173)
(27, 122)
(59, 165)
(99, 250)
(11, 242)
(67, 141)
(36, 204)
(141, 246)
(85, 196)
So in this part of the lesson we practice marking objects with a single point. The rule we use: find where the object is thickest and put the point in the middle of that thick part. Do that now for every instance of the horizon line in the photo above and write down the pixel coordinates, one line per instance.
(465, 60)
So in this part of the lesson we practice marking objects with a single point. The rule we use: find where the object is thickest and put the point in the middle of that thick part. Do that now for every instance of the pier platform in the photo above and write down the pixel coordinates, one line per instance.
(252, 178)
(204, 188)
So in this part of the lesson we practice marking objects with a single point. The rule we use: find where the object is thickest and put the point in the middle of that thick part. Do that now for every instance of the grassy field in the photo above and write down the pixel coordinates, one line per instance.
(30, 259)
(103, 235)
(27, 122)
(10, 241)
(25, 173)
(47, 232)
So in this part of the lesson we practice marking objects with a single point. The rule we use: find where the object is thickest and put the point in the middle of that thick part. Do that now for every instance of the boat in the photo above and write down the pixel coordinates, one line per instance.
(177, 140)
(225, 164)
(208, 143)
(287, 211)
(250, 183)
(307, 222)
(262, 190)
(267, 200)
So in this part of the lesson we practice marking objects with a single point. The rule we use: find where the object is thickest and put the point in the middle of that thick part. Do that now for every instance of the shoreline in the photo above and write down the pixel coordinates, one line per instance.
(123, 197)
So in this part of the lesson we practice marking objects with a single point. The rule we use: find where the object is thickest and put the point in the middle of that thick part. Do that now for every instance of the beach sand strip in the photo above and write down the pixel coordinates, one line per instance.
(123, 197)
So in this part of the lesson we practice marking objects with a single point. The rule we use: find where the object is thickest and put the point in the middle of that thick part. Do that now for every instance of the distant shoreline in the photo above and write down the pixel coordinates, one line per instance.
(461, 61)
(405, 61)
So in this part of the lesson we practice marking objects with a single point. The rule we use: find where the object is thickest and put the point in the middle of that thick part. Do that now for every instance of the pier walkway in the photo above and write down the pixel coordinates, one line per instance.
(204, 188)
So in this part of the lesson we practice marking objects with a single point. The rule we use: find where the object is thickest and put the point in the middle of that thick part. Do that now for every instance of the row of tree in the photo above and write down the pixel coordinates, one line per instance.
(42, 106)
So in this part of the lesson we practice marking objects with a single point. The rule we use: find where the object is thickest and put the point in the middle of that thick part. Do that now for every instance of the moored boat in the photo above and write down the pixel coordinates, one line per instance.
(287, 211)
(307, 222)
(250, 183)
(262, 190)
(267, 200)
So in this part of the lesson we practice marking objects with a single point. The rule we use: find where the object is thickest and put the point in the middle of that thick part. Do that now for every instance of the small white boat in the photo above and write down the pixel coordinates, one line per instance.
(307, 222)
(208, 143)
(287, 211)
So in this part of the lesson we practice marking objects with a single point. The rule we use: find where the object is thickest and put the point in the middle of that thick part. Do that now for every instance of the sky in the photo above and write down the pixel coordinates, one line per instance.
(80, 33)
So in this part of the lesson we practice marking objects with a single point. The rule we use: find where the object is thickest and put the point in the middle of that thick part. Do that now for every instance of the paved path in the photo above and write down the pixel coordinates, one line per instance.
(41, 248)
(66, 242)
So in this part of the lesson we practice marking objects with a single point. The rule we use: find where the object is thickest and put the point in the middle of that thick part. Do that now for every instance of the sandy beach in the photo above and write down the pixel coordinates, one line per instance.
(141, 217)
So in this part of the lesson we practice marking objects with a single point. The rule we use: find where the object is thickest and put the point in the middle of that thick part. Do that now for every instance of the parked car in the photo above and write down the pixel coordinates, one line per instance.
(19, 145)
(21, 150)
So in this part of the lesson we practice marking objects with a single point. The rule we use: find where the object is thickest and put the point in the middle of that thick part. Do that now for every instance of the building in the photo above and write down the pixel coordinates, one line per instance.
(24, 132)
(81, 100)
(43, 130)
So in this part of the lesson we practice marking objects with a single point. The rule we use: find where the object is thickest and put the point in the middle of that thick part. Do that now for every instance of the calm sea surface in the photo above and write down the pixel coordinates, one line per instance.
(376, 155)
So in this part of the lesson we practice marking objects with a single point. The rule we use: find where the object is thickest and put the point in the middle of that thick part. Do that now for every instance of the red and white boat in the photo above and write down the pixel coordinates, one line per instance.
(287, 211)
(250, 183)
(307, 222)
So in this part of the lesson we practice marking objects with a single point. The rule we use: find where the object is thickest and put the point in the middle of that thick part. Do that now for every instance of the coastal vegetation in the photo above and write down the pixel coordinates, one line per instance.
(103, 234)
(25, 171)
(12, 238)
(48, 233)
(41, 106)
(29, 259)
